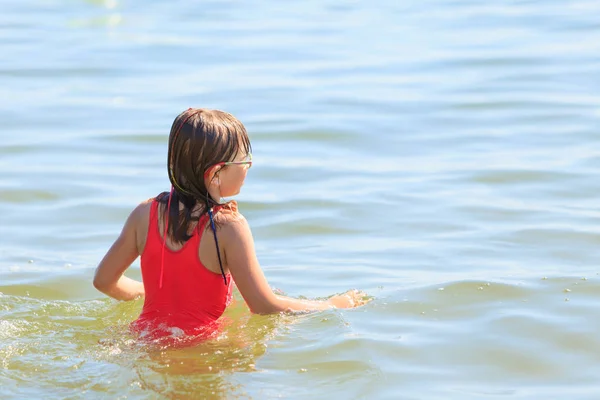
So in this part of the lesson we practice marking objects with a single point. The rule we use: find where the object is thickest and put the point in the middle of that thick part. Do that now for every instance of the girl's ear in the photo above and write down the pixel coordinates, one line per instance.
(211, 176)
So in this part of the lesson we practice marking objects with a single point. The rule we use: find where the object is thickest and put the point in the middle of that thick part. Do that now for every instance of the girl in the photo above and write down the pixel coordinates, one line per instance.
(192, 246)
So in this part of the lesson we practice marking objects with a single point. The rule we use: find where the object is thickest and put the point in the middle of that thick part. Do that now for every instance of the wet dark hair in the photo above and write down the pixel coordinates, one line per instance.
(199, 139)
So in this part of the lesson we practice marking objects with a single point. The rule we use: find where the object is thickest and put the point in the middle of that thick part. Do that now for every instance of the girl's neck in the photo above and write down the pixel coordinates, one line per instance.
(197, 210)
(215, 193)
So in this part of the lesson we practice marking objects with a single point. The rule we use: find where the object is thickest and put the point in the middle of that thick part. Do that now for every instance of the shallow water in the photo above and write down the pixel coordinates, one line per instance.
(441, 156)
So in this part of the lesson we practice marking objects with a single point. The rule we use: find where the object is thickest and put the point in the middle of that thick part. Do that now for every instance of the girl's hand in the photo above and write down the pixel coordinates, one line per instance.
(350, 299)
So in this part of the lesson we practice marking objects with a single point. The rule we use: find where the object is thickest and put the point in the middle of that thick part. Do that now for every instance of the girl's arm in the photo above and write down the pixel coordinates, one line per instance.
(109, 278)
(251, 282)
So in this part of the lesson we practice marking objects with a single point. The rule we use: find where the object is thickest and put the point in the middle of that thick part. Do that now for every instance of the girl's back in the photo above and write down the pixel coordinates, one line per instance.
(192, 297)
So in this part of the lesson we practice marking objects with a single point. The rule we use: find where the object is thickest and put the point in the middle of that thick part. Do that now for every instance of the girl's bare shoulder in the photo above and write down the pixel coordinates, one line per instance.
(142, 210)
(139, 217)
(229, 217)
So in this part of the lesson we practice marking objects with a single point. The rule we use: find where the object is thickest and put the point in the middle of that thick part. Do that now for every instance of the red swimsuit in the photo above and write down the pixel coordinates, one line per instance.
(191, 299)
